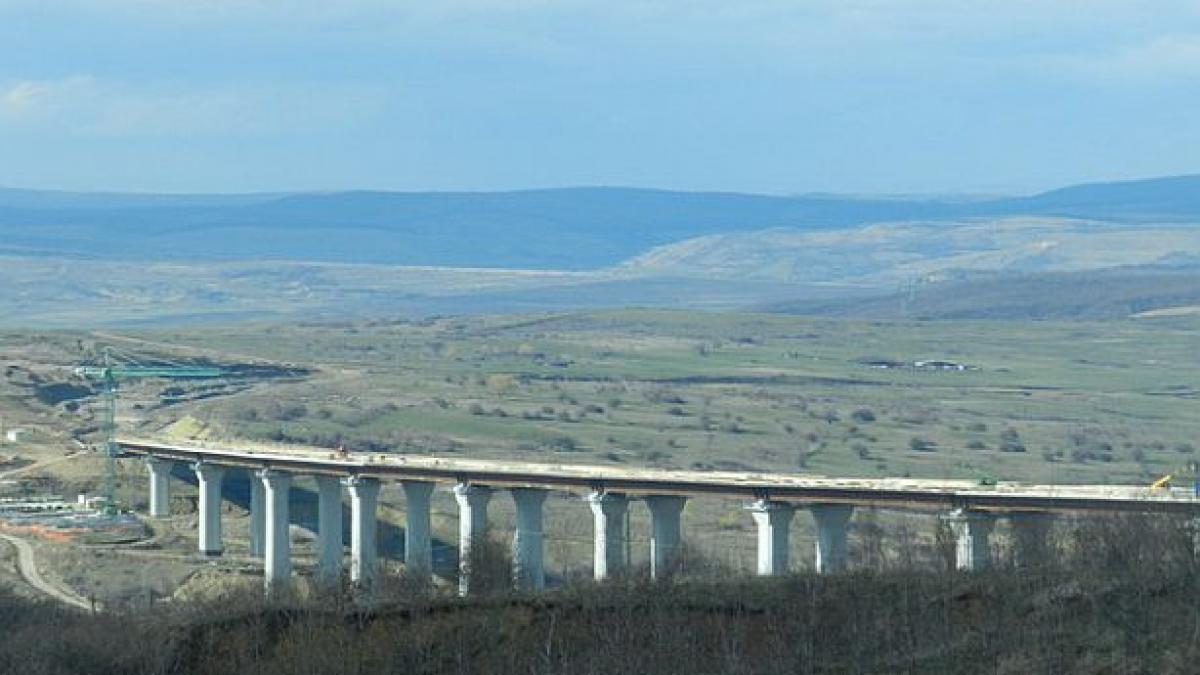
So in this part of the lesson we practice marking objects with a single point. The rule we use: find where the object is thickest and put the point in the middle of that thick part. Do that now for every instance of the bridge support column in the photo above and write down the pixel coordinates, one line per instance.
(1033, 537)
(277, 558)
(774, 521)
(209, 476)
(972, 533)
(608, 513)
(418, 542)
(527, 548)
(160, 486)
(329, 529)
(364, 497)
(472, 527)
(832, 524)
(258, 516)
(665, 533)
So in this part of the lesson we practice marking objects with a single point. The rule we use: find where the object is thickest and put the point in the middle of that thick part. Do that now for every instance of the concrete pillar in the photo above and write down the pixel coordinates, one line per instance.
(209, 477)
(258, 516)
(472, 525)
(832, 524)
(418, 541)
(277, 553)
(329, 528)
(774, 521)
(608, 512)
(160, 486)
(527, 548)
(665, 533)
(364, 496)
(1194, 524)
(1032, 537)
(972, 533)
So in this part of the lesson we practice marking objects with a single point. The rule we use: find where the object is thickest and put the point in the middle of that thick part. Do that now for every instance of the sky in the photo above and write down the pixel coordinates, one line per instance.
(772, 96)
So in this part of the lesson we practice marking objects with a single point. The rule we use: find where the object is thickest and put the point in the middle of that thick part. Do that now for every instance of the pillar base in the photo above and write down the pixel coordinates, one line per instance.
(972, 531)
(609, 510)
(833, 522)
(527, 571)
(364, 495)
(773, 520)
(472, 526)
(418, 543)
(665, 533)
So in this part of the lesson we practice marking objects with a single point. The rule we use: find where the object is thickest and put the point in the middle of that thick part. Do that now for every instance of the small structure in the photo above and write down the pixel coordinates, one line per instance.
(925, 364)
(16, 435)
(942, 365)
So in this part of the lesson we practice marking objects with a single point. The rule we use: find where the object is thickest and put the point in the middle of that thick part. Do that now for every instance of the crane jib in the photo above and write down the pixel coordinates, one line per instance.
(109, 376)
(147, 371)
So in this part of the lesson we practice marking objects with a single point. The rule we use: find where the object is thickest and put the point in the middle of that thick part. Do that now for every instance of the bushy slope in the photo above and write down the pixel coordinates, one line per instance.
(1120, 602)
(1104, 294)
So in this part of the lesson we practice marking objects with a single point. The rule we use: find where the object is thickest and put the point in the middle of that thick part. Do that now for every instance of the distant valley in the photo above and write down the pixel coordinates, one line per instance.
(71, 259)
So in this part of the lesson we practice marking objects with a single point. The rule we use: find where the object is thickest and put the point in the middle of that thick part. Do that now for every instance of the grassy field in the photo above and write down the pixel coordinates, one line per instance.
(1061, 402)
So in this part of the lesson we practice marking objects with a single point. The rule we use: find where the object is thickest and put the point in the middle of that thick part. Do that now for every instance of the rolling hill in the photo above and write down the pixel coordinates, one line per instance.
(1090, 295)
(570, 228)
(890, 254)
(576, 228)
(78, 258)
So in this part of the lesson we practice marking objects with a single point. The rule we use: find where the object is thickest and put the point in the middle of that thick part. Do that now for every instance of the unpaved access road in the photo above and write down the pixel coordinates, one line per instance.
(27, 565)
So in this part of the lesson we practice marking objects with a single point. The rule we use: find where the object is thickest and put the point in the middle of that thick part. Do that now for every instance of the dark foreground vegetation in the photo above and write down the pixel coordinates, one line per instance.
(1115, 596)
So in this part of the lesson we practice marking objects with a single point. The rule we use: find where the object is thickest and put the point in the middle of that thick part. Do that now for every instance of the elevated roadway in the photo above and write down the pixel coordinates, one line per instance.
(773, 498)
(938, 494)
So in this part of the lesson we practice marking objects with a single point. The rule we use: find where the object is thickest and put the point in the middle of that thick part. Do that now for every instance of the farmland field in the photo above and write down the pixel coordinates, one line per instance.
(1060, 402)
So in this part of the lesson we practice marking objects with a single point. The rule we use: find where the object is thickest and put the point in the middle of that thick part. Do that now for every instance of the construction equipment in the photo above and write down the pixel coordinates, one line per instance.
(108, 374)
(1164, 482)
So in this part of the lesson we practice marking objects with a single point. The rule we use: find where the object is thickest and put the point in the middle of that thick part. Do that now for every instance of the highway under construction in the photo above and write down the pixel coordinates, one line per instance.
(772, 499)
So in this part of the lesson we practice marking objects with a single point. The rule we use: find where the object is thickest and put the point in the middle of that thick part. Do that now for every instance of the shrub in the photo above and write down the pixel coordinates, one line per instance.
(1010, 441)
(863, 415)
(562, 444)
(918, 444)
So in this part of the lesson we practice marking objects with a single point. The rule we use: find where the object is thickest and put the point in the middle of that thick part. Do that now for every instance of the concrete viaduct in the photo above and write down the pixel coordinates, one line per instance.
(971, 508)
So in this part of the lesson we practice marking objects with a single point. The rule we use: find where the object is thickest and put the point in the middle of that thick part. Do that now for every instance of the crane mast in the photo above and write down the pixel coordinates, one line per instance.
(108, 375)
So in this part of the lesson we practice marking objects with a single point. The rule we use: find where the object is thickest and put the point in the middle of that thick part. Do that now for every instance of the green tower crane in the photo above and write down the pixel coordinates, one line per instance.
(108, 374)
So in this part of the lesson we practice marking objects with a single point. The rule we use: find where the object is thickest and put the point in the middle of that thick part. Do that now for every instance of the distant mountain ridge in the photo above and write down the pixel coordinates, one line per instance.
(1169, 198)
(567, 228)
(573, 228)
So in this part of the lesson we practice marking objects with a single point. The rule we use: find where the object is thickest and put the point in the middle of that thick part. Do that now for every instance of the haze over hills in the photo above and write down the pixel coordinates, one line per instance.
(319, 254)
(570, 228)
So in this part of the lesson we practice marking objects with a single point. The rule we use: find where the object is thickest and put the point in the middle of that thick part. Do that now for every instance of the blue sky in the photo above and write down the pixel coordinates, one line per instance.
(878, 96)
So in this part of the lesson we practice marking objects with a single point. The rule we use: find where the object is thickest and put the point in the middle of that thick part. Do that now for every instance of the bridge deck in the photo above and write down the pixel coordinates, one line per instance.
(800, 488)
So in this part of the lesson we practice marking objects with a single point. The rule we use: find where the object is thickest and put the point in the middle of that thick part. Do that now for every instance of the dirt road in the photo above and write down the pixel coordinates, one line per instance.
(39, 464)
(27, 565)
